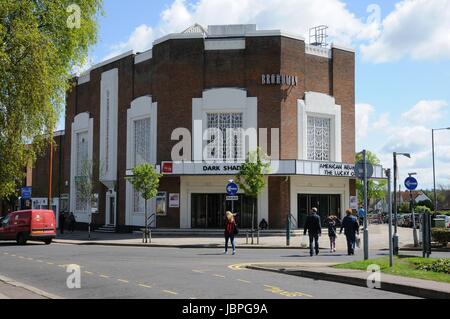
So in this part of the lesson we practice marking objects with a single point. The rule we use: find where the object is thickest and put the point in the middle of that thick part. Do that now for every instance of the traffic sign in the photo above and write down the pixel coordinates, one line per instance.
(232, 198)
(232, 189)
(411, 183)
(359, 170)
(26, 192)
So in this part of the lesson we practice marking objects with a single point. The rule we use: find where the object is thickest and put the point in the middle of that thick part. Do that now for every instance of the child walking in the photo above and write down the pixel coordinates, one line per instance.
(332, 223)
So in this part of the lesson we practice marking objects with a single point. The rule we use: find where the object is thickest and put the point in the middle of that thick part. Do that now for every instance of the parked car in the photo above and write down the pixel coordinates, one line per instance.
(21, 226)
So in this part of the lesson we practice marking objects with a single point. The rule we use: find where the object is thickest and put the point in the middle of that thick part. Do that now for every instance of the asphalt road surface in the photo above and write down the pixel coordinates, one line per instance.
(164, 273)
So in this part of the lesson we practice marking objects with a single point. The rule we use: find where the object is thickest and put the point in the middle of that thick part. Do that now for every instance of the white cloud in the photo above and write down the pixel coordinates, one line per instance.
(295, 16)
(363, 113)
(140, 40)
(425, 112)
(419, 29)
(411, 136)
(382, 122)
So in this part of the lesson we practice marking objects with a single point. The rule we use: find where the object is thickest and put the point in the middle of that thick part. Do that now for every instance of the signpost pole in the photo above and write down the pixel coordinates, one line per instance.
(366, 230)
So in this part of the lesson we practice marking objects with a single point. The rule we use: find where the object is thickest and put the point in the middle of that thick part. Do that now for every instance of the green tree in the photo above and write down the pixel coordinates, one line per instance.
(251, 178)
(145, 180)
(376, 189)
(41, 42)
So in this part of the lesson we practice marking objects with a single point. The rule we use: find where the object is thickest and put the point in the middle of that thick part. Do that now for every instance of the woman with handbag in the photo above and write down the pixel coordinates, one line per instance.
(231, 231)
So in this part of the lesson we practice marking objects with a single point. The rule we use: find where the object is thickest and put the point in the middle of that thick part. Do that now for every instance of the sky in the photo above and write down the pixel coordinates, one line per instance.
(402, 60)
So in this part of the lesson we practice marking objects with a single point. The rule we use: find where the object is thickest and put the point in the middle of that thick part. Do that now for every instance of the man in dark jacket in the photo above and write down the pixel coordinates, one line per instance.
(62, 222)
(314, 228)
(351, 226)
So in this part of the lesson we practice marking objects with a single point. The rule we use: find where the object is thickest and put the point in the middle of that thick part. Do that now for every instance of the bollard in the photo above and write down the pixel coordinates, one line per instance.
(246, 237)
(257, 237)
(288, 232)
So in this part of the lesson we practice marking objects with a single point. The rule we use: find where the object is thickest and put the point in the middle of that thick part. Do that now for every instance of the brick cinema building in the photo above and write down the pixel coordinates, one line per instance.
(300, 99)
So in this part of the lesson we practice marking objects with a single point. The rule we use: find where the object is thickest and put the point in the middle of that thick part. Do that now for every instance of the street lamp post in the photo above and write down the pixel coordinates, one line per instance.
(395, 237)
(391, 248)
(434, 166)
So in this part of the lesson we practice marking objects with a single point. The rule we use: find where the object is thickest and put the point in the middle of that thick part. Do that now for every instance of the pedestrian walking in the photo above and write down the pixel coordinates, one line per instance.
(314, 228)
(351, 226)
(62, 222)
(332, 223)
(361, 214)
(231, 231)
(72, 222)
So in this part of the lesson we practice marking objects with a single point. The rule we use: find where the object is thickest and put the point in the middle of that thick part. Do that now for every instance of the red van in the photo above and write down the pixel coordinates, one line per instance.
(38, 225)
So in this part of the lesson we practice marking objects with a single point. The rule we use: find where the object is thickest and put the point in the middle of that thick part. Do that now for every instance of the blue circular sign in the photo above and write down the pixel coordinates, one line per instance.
(232, 189)
(411, 183)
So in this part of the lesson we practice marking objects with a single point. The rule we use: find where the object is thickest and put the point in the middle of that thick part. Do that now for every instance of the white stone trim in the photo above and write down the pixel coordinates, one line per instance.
(109, 127)
(141, 108)
(343, 48)
(224, 44)
(318, 51)
(274, 33)
(319, 185)
(84, 78)
(144, 56)
(217, 101)
(82, 123)
(176, 36)
(320, 105)
(212, 185)
(113, 59)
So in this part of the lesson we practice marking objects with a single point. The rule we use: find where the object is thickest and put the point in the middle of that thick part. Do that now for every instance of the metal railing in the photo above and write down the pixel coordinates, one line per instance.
(252, 232)
(149, 221)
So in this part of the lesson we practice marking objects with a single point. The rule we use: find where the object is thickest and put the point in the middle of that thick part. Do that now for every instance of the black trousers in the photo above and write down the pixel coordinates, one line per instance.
(313, 244)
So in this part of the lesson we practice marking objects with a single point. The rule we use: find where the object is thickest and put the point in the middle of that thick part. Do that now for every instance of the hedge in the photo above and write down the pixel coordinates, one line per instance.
(441, 235)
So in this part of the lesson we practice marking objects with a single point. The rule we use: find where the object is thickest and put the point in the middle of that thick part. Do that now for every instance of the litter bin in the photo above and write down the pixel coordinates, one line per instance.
(439, 223)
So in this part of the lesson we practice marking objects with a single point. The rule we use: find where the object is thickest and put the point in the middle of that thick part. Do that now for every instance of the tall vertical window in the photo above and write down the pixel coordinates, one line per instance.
(142, 135)
(319, 138)
(81, 166)
(230, 126)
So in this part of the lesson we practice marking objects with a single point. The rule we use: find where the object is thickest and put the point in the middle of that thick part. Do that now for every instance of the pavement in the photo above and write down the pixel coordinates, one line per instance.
(378, 239)
(403, 285)
(111, 272)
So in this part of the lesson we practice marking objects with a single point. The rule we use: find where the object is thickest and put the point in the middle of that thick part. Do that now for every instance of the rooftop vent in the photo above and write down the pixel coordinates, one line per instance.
(318, 36)
(196, 28)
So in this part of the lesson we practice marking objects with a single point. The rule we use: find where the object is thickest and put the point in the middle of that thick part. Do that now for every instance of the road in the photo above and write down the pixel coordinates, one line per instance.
(164, 273)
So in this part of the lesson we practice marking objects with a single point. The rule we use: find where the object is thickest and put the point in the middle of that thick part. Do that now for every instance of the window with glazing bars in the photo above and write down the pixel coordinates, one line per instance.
(230, 125)
(142, 154)
(319, 139)
(81, 166)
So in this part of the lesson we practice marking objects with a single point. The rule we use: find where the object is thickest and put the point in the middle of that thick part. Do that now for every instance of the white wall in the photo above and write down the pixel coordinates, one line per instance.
(320, 105)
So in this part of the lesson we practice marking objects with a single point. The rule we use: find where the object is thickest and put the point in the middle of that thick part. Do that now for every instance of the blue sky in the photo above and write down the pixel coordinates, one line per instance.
(402, 70)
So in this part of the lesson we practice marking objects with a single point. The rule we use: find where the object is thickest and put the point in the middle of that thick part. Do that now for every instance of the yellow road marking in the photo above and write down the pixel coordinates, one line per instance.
(88, 272)
(123, 280)
(30, 258)
(285, 293)
(238, 267)
(39, 261)
(145, 286)
(199, 271)
(246, 281)
(220, 276)
(104, 276)
(21, 257)
(171, 292)
(13, 255)
(50, 263)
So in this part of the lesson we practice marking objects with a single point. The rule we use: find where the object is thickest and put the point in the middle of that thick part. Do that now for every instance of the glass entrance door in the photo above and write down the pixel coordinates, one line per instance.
(326, 205)
(208, 211)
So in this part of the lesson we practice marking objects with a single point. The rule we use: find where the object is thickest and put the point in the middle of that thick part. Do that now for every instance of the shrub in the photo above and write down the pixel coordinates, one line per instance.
(426, 203)
(441, 235)
(440, 265)
(422, 209)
